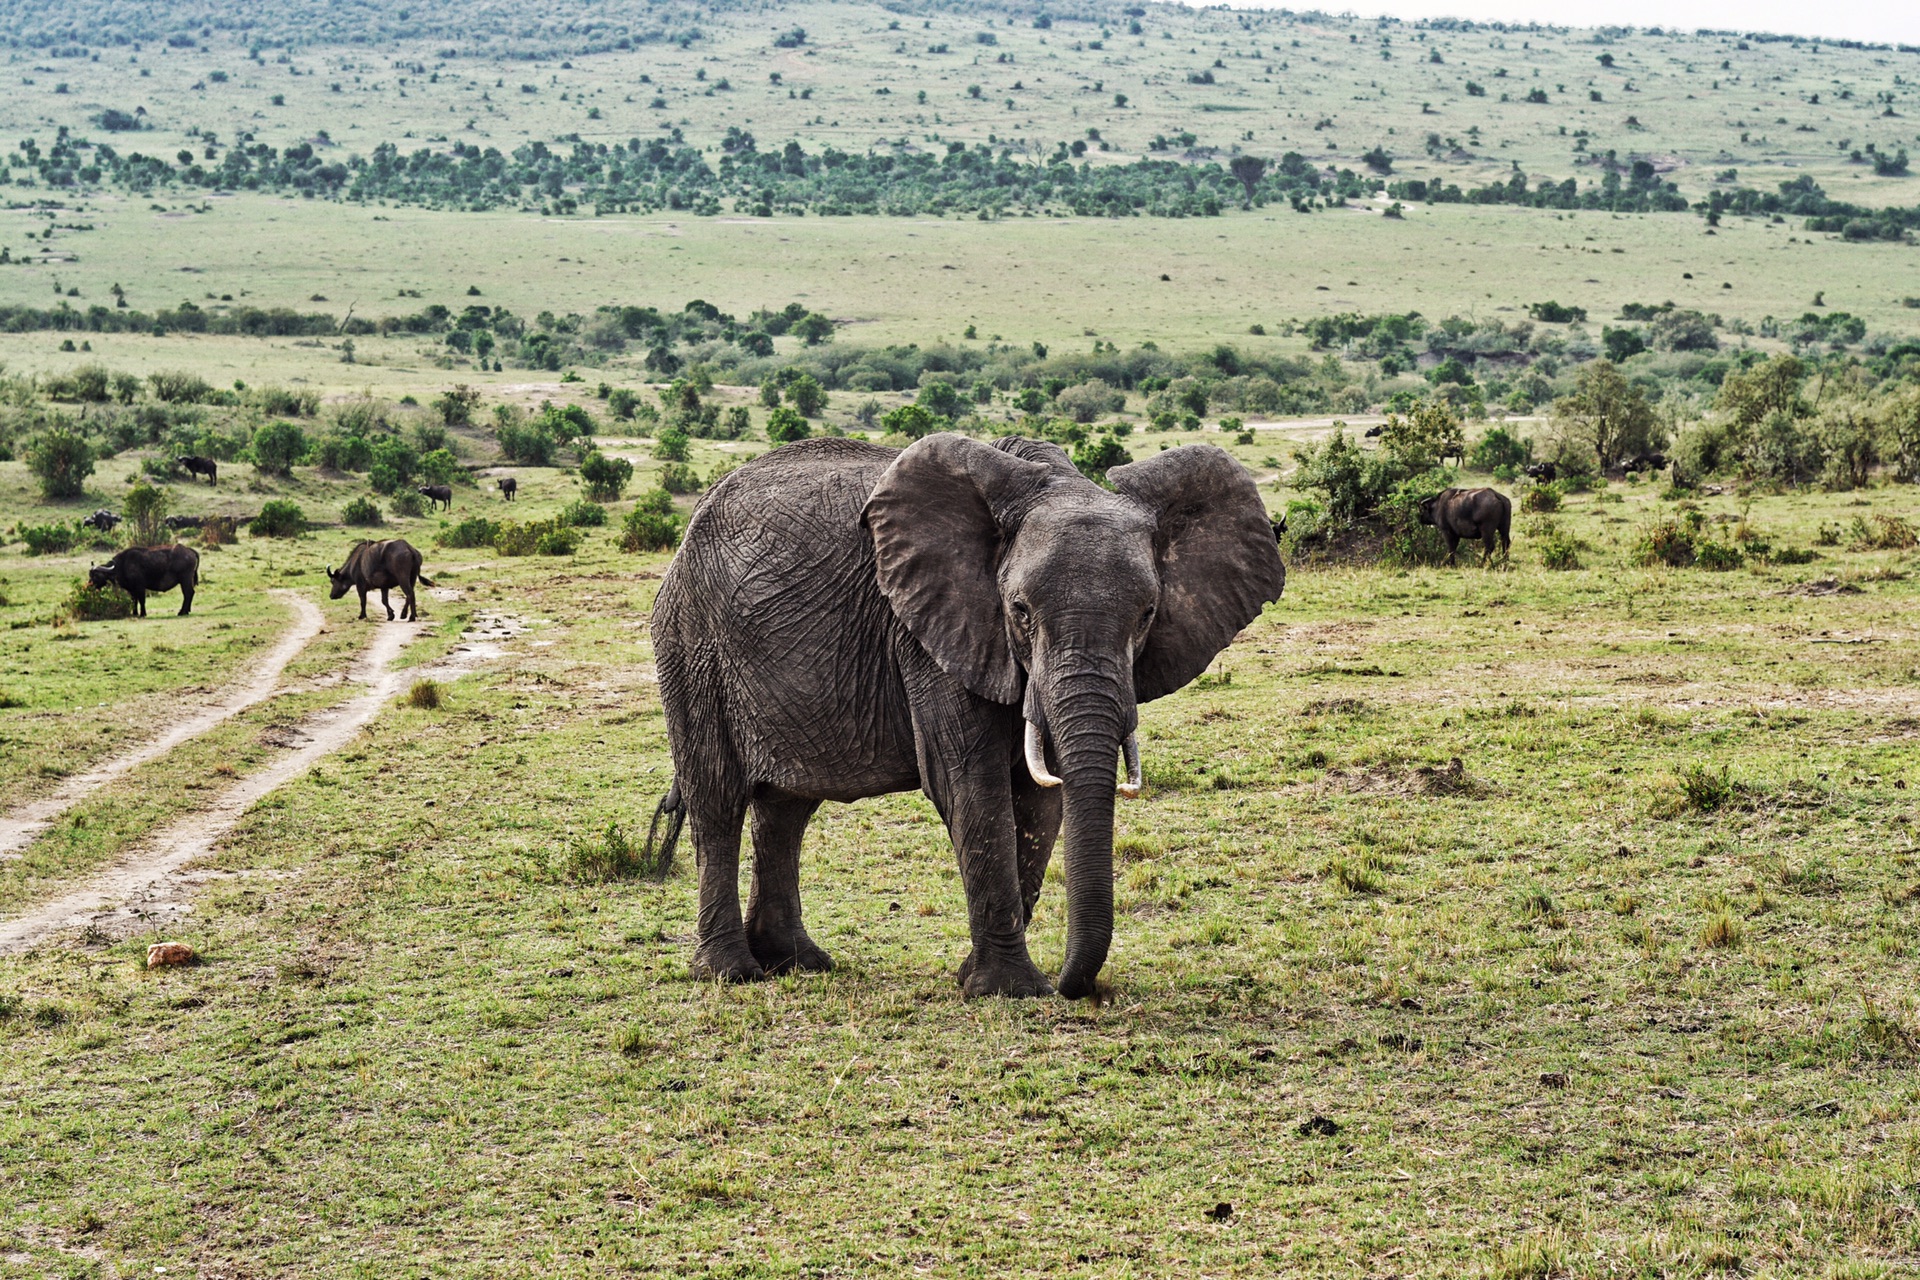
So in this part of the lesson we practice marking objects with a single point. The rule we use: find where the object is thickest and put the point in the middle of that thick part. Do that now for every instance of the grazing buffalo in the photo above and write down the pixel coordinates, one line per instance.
(380, 566)
(185, 522)
(1645, 462)
(1544, 472)
(1279, 527)
(1375, 431)
(103, 520)
(508, 487)
(437, 493)
(1484, 514)
(138, 570)
(194, 465)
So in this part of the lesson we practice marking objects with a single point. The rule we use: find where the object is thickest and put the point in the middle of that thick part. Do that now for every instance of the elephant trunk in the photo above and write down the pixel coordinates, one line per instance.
(1086, 744)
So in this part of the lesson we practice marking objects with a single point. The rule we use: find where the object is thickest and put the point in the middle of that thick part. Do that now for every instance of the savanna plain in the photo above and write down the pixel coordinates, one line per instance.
(1557, 917)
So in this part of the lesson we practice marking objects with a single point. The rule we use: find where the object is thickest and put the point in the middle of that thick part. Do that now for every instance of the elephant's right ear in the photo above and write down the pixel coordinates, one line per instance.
(938, 518)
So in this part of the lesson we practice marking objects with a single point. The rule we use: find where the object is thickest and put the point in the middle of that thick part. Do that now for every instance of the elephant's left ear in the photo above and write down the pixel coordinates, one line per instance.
(1218, 561)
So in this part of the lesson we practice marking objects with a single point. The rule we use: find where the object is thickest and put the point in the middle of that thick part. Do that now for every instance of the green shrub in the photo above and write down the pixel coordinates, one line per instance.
(392, 464)
(90, 382)
(539, 537)
(440, 467)
(1094, 457)
(612, 855)
(671, 445)
(910, 420)
(1559, 550)
(581, 513)
(360, 511)
(456, 407)
(1718, 556)
(279, 518)
(1794, 555)
(1666, 541)
(146, 515)
(606, 478)
(678, 477)
(1499, 448)
(621, 403)
(88, 603)
(525, 443)
(62, 460)
(48, 539)
(652, 525)
(340, 452)
(805, 394)
(408, 503)
(277, 446)
(1541, 497)
(558, 542)
(738, 421)
(474, 531)
(282, 402)
(1881, 533)
(180, 387)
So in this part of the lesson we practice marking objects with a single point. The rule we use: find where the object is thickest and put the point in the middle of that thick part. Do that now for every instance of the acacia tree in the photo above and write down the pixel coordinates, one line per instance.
(1607, 414)
(1249, 170)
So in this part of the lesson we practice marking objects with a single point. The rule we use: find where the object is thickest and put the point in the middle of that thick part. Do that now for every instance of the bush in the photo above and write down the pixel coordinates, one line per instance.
(558, 541)
(1499, 448)
(179, 387)
(1666, 541)
(360, 511)
(909, 420)
(581, 513)
(456, 407)
(738, 421)
(474, 531)
(88, 603)
(1719, 556)
(62, 459)
(277, 446)
(786, 425)
(408, 503)
(1559, 550)
(807, 396)
(678, 477)
(652, 525)
(90, 382)
(1089, 400)
(524, 442)
(281, 402)
(621, 403)
(392, 465)
(606, 478)
(1541, 497)
(279, 518)
(146, 515)
(670, 445)
(1094, 457)
(340, 452)
(613, 855)
(48, 539)
(1882, 533)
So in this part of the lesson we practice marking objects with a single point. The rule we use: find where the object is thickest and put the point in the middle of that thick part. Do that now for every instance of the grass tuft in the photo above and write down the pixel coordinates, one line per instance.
(1722, 932)
(612, 855)
(425, 695)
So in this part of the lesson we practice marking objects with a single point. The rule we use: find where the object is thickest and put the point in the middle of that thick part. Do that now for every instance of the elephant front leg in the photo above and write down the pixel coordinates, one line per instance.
(1036, 822)
(979, 814)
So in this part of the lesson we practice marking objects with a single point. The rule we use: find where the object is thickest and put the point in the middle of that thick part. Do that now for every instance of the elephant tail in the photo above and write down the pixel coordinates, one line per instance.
(662, 840)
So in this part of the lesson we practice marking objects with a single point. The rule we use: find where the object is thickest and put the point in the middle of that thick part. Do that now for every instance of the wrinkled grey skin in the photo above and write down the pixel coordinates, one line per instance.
(844, 620)
(1470, 514)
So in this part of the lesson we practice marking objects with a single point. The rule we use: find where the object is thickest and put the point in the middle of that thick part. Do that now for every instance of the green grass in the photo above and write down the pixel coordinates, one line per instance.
(429, 1039)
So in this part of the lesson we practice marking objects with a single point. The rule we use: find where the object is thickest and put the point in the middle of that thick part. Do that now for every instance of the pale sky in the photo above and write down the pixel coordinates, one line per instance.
(1885, 21)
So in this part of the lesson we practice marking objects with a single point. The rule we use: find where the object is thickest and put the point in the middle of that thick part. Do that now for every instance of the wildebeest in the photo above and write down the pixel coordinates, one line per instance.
(1485, 514)
(194, 465)
(103, 520)
(138, 570)
(380, 566)
(1645, 462)
(508, 487)
(185, 522)
(1544, 472)
(437, 493)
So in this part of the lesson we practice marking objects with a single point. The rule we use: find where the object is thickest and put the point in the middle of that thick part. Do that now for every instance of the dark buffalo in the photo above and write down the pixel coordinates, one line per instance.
(138, 570)
(185, 522)
(437, 493)
(380, 566)
(1375, 432)
(194, 465)
(1544, 472)
(1645, 462)
(103, 520)
(1484, 514)
(508, 487)
(1279, 527)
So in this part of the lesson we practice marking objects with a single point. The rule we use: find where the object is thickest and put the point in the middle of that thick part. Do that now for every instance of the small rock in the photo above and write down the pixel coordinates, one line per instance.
(162, 953)
(1220, 1212)
(1554, 1079)
(1318, 1126)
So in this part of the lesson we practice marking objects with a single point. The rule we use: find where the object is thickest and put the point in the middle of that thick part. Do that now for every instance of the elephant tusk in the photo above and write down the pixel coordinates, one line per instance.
(1130, 752)
(1037, 757)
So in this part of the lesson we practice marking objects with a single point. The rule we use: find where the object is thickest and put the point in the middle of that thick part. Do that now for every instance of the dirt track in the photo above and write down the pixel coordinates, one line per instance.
(151, 884)
(21, 827)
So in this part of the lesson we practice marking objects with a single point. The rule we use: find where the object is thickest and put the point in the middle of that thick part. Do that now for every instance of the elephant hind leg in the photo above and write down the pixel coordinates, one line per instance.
(775, 934)
(716, 814)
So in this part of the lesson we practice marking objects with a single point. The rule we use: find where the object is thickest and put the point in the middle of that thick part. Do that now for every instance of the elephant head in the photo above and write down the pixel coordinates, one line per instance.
(1032, 585)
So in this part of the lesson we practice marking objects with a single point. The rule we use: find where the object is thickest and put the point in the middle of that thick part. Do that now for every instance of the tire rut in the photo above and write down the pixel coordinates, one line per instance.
(24, 825)
(151, 884)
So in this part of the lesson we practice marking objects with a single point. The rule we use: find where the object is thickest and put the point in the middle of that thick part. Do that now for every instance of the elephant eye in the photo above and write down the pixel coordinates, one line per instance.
(1146, 617)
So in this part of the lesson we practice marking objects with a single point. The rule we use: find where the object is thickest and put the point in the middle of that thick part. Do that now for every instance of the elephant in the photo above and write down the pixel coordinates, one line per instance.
(978, 621)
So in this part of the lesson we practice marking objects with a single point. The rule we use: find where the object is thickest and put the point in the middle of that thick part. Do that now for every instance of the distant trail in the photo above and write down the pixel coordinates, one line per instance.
(148, 879)
(19, 828)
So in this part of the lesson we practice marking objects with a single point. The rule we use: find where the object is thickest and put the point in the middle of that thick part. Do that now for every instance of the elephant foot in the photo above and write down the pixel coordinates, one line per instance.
(787, 951)
(1019, 978)
(730, 963)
